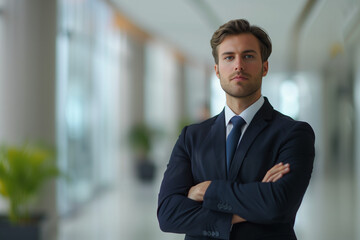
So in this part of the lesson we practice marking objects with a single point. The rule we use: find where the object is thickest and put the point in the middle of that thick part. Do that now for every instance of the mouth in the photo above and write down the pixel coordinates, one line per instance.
(239, 78)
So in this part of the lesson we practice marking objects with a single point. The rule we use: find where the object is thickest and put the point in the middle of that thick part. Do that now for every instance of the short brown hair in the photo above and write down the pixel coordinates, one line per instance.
(239, 26)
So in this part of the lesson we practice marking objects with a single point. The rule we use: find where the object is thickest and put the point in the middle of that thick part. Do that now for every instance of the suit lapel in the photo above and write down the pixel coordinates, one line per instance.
(259, 122)
(218, 135)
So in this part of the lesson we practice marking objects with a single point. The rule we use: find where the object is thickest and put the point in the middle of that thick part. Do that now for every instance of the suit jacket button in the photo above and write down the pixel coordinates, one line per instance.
(220, 206)
(209, 233)
(213, 234)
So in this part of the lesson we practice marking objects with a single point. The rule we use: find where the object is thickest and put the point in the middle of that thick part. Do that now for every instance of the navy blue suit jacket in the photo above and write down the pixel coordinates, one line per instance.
(269, 208)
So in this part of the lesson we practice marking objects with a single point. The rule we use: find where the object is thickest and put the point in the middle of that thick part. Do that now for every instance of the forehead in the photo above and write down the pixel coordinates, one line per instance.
(239, 43)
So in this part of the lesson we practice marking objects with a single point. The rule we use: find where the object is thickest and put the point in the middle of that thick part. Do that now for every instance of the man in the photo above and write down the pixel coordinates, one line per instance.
(212, 192)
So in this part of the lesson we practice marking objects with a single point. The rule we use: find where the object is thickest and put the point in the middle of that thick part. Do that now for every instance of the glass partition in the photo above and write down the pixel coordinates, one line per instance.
(88, 60)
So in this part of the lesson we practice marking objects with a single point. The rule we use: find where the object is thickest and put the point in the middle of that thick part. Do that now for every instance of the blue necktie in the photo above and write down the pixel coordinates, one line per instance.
(233, 139)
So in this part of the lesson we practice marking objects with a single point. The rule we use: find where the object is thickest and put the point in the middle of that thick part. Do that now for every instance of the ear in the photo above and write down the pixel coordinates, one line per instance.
(216, 67)
(265, 68)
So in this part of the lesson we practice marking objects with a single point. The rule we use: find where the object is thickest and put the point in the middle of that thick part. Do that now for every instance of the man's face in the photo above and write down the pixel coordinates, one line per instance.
(240, 68)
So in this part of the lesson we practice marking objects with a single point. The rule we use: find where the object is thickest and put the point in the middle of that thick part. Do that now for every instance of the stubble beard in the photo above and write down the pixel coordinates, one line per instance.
(246, 90)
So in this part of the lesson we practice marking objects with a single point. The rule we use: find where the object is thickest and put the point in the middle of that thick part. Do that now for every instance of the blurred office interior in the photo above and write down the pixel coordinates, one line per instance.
(80, 74)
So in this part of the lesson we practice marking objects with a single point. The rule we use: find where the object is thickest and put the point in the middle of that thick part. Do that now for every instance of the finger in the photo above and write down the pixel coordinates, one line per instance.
(279, 175)
(272, 171)
(276, 177)
(266, 178)
(272, 175)
(275, 168)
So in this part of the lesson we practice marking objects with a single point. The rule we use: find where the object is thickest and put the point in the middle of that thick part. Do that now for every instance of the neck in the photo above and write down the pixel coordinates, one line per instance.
(238, 105)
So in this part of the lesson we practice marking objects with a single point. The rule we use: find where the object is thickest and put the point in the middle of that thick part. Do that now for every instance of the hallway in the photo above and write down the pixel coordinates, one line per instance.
(330, 211)
(79, 75)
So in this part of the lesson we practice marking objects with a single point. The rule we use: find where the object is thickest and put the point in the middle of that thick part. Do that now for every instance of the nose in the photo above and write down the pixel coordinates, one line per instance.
(239, 64)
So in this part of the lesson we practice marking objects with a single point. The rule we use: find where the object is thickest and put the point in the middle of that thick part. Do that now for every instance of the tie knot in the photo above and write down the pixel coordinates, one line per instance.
(237, 121)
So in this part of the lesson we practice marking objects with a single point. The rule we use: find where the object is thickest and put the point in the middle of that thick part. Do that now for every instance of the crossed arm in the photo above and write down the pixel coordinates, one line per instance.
(198, 191)
(217, 204)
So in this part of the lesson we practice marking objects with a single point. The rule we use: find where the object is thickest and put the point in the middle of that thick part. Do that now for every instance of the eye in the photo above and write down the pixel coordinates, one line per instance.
(229, 58)
(248, 56)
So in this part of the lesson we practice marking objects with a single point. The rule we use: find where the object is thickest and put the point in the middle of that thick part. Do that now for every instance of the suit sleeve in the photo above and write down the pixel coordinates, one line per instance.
(179, 214)
(270, 202)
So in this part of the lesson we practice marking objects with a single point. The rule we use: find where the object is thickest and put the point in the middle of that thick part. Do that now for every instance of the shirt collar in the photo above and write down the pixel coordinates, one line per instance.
(248, 114)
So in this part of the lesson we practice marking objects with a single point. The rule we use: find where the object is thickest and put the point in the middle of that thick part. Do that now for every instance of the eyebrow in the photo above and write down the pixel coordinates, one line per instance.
(250, 51)
(246, 51)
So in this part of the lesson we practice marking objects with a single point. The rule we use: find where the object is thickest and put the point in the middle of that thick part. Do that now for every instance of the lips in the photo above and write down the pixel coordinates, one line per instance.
(239, 78)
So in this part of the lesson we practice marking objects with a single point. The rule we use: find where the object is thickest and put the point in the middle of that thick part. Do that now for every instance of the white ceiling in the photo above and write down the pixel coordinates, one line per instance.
(189, 24)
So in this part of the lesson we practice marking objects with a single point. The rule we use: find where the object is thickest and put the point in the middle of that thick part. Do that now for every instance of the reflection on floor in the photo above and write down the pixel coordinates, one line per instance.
(125, 213)
(329, 212)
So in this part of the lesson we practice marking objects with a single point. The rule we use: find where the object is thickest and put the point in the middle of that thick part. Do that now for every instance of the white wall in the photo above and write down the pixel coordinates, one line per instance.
(357, 135)
(161, 87)
(197, 89)
(27, 78)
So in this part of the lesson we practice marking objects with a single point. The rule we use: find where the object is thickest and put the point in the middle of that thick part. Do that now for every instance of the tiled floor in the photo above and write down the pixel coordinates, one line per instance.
(329, 212)
(126, 213)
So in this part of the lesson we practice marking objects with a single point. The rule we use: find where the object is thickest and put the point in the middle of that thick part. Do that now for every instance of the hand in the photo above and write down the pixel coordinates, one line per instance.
(276, 172)
(237, 219)
(197, 192)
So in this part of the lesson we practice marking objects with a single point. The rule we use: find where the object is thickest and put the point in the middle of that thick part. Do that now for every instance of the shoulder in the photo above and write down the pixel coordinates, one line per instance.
(195, 134)
(280, 121)
(202, 130)
(287, 125)
(281, 118)
(204, 124)
(201, 127)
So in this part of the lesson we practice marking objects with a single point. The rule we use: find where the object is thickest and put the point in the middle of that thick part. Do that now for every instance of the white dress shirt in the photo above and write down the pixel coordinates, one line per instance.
(248, 115)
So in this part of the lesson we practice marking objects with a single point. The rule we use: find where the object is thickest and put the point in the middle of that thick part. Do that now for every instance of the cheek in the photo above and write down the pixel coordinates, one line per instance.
(225, 69)
(255, 69)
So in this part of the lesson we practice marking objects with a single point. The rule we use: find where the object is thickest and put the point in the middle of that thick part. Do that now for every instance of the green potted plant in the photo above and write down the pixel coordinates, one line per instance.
(140, 140)
(23, 171)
